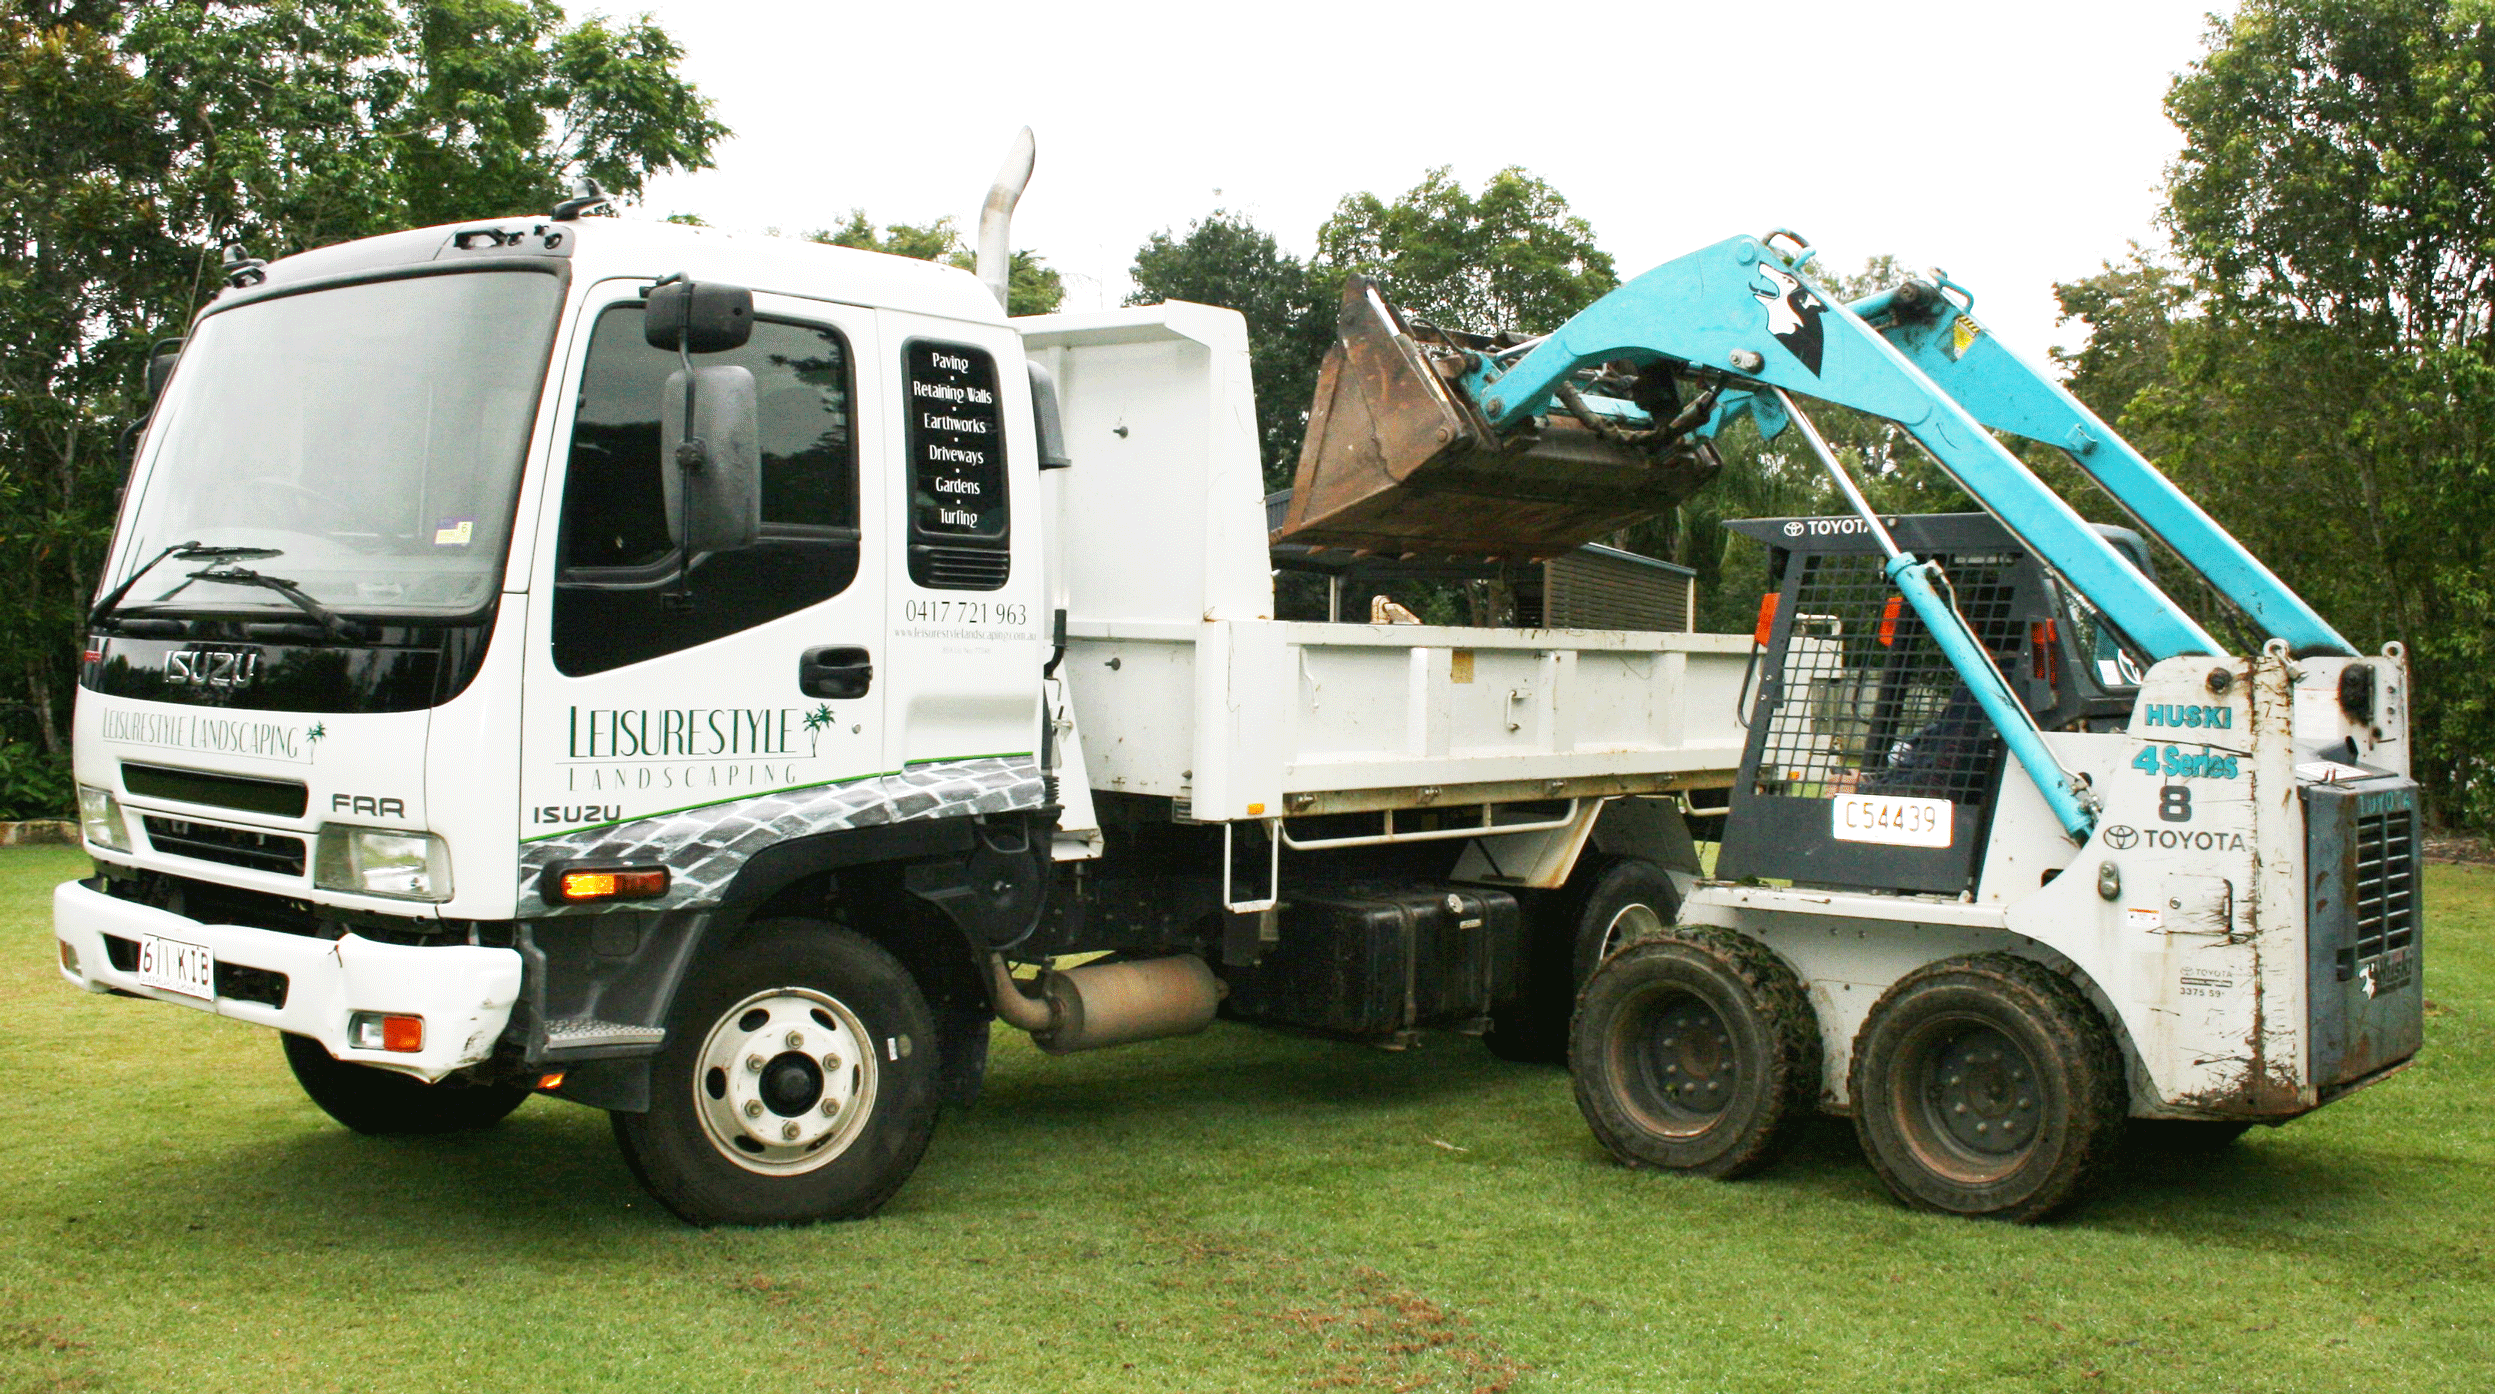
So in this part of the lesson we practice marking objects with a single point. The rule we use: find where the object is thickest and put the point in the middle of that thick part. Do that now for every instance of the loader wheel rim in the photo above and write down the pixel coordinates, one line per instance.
(1972, 1099)
(785, 1081)
(1675, 1056)
(1632, 922)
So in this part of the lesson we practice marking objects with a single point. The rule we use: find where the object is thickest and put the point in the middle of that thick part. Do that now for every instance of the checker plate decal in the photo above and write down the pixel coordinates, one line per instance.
(704, 848)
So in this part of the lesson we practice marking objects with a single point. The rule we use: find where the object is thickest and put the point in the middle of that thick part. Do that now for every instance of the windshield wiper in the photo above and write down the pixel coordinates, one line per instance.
(338, 625)
(187, 551)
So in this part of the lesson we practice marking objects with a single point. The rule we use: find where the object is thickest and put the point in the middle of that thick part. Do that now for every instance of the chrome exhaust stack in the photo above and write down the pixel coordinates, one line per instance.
(996, 216)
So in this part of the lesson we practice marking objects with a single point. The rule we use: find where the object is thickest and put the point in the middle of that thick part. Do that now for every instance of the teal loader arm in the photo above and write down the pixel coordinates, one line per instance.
(1741, 310)
(2003, 391)
(1748, 318)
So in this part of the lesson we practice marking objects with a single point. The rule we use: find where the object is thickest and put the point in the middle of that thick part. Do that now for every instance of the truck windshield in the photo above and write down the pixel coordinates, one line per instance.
(372, 434)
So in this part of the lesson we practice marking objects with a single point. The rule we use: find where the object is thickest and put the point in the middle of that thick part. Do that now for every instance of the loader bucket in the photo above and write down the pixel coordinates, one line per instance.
(1399, 462)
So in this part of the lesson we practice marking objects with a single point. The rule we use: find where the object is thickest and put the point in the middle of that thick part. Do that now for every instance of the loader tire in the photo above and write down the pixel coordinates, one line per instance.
(1697, 1051)
(1605, 906)
(385, 1103)
(1987, 1086)
(799, 1082)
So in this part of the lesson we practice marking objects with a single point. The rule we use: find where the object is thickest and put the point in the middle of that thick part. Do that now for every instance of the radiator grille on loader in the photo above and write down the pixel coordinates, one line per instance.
(2386, 888)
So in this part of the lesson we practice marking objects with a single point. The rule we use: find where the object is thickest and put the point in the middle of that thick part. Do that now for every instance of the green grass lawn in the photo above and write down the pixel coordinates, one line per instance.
(1237, 1211)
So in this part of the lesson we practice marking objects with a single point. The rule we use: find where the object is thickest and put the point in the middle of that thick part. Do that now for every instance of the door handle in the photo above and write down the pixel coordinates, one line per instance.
(836, 672)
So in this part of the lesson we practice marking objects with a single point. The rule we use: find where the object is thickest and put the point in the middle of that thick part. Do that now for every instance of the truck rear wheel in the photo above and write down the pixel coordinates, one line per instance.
(1987, 1086)
(385, 1103)
(1574, 930)
(798, 1083)
(1697, 1051)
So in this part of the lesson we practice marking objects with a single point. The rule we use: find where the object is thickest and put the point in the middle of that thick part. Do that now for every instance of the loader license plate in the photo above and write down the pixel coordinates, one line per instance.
(1887, 818)
(189, 969)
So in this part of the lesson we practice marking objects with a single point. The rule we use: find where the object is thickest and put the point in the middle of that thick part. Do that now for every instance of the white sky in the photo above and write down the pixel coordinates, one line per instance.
(2012, 142)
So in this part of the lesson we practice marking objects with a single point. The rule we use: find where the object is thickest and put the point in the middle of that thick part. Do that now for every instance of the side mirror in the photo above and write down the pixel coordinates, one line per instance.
(161, 356)
(1047, 424)
(713, 473)
(698, 317)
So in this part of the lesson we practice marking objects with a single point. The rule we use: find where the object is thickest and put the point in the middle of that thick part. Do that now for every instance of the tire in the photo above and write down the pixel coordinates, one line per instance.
(385, 1103)
(1987, 1086)
(799, 1082)
(2183, 1137)
(1697, 1051)
(1607, 905)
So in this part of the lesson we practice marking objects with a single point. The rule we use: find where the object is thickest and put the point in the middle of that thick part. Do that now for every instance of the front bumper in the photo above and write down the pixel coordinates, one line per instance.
(464, 993)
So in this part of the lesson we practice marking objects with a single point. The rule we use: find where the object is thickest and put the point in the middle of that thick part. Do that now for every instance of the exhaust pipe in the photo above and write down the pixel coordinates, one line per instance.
(996, 216)
(1106, 1004)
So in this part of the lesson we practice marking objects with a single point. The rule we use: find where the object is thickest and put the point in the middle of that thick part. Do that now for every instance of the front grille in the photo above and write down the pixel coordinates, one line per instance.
(2386, 882)
(282, 797)
(244, 847)
(960, 568)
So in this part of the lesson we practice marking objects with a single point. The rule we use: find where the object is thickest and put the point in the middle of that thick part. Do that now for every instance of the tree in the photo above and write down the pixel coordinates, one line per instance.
(1032, 287)
(1225, 259)
(2321, 373)
(1514, 257)
(136, 138)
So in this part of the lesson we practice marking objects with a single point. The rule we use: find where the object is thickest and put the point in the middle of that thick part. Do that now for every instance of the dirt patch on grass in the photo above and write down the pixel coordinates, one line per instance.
(1331, 1327)
(42, 1354)
(1383, 1336)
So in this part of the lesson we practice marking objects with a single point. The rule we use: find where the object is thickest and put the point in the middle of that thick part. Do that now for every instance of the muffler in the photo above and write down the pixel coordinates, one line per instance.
(1106, 1004)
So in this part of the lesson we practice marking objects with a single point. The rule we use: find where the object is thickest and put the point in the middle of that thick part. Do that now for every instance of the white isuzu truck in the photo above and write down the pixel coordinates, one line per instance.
(690, 674)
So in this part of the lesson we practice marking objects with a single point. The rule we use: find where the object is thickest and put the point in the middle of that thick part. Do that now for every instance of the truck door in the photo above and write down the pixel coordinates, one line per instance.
(967, 589)
(680, 715)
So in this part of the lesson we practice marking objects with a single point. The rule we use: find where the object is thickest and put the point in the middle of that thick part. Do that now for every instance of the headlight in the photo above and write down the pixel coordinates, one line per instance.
(378, 861)
(99, 814)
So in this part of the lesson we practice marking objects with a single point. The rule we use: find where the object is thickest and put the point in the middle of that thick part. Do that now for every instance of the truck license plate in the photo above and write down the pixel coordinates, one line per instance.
(189, 969)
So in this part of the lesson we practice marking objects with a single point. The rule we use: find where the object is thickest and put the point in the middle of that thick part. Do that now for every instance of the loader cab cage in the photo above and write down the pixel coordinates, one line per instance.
(1852, 695)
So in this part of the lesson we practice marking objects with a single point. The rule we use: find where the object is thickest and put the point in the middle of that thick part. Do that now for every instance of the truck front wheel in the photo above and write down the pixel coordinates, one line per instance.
(798, 1083)
(385, 1103)
(1987, 1086)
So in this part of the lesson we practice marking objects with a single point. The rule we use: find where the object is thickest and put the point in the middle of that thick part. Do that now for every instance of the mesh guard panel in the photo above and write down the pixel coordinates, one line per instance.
(1868, 702)
(1860, 699)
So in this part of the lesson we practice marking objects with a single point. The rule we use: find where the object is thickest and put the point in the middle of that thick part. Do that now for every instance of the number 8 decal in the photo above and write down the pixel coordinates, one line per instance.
(2174, 803)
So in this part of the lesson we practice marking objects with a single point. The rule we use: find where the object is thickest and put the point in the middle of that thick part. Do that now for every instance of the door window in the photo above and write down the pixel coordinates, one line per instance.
(959, 538)
(621, 595)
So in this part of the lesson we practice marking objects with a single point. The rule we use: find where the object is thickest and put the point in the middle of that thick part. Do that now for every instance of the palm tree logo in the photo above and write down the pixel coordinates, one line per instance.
(817, 722)
(313, 736)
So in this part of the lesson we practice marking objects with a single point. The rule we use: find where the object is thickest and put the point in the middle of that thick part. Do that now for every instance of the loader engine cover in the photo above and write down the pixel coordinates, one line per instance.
(1370, 962)
(1398, 461)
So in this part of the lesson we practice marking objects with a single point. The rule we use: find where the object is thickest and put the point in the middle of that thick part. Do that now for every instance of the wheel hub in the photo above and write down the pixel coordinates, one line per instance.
(1690, 1069)
(785, 1080)
(791, 1084)
(1982, 1091)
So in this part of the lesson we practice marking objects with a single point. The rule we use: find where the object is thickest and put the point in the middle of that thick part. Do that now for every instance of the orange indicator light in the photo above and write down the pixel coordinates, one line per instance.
(613, 883)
